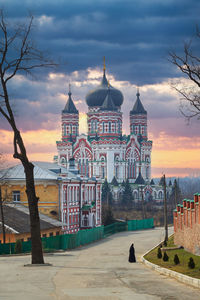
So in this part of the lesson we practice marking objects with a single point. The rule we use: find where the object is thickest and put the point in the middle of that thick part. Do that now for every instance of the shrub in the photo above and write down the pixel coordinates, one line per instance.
(159, 254)
(191, 263)
(165, 257)
(176, 259)
(18, 246)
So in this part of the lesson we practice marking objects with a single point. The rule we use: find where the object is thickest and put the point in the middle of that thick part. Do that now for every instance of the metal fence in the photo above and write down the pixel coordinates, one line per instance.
(82, 237)
(140, 224)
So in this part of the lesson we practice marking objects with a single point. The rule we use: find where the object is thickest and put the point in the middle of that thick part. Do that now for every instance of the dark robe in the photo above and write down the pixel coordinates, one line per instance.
(132, 254)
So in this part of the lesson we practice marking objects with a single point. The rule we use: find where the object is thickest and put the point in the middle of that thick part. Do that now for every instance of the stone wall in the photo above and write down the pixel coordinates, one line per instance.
(187, 224)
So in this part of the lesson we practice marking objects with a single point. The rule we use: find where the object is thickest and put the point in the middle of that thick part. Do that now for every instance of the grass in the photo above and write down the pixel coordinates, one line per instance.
(184, 257)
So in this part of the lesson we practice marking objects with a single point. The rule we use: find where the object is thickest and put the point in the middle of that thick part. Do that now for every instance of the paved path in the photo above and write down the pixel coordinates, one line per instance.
(97, 272)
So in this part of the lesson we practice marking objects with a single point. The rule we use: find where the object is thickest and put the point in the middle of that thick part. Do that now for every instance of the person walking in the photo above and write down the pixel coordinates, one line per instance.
(132, 254)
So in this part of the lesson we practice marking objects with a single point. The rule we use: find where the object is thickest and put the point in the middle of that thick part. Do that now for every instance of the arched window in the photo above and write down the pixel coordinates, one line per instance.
(109, 127)
(85, 221)
(103, 172)
(147, 172)
(117, 171)
(160, 195)
(64, 129)
(119, 126)
(62, 160)
(135, 195)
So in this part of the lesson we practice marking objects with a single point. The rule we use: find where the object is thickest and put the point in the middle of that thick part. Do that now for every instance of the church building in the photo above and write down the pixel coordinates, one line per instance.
(105, 152)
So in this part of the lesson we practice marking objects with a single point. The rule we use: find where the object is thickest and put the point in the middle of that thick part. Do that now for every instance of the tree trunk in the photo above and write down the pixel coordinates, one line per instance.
(37, 254)
(2, 219)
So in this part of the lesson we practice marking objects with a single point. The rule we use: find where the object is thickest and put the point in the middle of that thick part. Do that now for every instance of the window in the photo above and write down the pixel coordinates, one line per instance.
(16, 196)
(85, 221)
(102, 172)
(116, 171)
(64, 129)
(51, 234)
(57, 232)
(109, 126)
(44, 235)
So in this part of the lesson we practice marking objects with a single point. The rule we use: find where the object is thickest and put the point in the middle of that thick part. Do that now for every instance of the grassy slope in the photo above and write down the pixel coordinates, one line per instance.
(183, 257)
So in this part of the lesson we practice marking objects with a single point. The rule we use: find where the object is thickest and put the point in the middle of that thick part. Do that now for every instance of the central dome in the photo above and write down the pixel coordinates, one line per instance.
(97, 96)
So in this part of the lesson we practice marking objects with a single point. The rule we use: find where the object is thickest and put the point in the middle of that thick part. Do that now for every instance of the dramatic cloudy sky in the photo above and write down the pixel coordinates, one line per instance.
(135, 36)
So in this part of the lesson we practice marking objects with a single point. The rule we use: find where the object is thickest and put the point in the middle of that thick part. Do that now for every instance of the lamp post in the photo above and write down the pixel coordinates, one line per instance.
(165, 211)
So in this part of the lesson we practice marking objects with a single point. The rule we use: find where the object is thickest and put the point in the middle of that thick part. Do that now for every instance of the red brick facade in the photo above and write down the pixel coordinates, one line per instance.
(187, 224)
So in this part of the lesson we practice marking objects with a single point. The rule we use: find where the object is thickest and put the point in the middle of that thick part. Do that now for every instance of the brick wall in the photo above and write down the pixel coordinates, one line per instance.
(187, 224)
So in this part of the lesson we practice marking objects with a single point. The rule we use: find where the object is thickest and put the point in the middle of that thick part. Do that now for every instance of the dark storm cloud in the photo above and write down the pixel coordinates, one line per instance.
(135, 36)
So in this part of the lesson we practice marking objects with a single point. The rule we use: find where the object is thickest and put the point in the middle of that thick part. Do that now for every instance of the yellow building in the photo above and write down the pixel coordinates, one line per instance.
(47, 184)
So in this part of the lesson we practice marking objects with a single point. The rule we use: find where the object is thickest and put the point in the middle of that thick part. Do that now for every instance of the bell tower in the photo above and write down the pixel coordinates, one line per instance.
(70, 120)
(138, 119)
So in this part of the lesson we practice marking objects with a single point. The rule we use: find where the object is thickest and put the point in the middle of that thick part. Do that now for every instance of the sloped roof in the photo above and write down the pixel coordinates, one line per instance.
(108, 103)
(114, 181)
(42, 170)
(70, 107)
(138, 108)
(152, 182)
(16, 218)
(140, 179)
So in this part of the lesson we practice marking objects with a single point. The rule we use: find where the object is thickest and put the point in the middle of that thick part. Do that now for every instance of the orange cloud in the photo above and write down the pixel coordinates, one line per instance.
(176, 156)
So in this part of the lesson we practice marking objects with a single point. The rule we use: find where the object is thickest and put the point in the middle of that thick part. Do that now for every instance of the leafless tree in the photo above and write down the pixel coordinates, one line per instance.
(18, 55)
(189, 64)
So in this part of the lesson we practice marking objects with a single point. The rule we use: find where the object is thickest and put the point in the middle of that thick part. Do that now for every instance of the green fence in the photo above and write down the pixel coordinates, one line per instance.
(82, 237)
(114, 228)
(140, 224)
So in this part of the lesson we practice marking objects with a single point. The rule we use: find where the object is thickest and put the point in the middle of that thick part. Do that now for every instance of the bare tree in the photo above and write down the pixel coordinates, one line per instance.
(189, 64)
(18, 55)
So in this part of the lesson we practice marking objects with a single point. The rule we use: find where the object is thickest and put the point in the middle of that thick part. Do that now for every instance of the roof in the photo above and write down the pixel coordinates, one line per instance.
(70, 107)
(138, 108)
(152, 182)
(42, 170)
(108, 103)
(114, 181)
(139, 179)
(17, 220)
(97, 96)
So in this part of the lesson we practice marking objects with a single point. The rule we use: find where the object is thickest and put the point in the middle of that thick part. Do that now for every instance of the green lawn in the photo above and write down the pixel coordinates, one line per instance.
(183, 257)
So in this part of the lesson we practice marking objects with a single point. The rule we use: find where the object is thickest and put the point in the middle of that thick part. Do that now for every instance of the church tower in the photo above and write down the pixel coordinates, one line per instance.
(70, 132)
(141, 164)
(70, 120)
(138, 119)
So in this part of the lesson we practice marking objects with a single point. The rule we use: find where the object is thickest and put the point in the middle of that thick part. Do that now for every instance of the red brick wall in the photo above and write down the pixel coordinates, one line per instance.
(187, 225)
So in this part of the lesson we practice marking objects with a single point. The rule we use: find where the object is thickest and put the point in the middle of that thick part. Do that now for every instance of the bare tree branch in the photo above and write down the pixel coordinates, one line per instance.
(189, 65)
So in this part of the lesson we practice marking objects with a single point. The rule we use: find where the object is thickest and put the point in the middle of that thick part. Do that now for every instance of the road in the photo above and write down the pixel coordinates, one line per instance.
(100, 271)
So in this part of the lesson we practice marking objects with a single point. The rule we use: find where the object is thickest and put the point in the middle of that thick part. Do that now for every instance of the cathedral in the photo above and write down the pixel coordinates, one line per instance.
(105, 152)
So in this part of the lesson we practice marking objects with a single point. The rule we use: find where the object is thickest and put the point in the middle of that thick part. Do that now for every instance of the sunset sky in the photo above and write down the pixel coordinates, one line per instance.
(135, 36)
